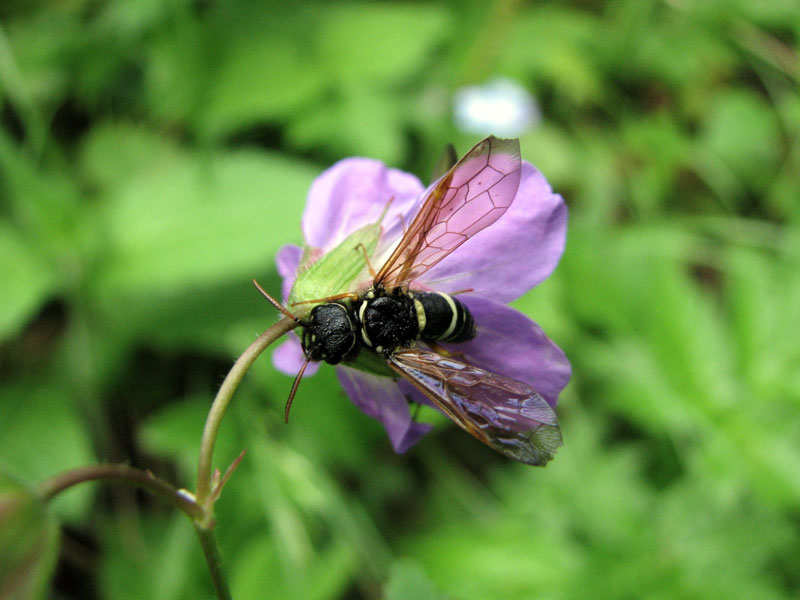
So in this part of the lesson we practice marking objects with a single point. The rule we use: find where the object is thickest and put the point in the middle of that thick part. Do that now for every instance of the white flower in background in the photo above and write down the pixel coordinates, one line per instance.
(500, 106)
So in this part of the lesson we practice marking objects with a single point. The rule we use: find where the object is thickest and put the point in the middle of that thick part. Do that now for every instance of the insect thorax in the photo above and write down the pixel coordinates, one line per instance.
(390, 321)
(387, 321)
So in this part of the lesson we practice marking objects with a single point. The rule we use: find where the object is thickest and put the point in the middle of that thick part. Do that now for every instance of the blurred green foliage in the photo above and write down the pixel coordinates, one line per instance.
(155, 154)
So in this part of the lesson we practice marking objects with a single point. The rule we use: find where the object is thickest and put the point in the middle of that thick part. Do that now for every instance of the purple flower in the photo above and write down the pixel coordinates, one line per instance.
(497, 265)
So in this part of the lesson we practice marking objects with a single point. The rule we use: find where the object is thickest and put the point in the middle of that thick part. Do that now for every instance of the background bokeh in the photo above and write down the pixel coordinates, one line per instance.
(155, 154)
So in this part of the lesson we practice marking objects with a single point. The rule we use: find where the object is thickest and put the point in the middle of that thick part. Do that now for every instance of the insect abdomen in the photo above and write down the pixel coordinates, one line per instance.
(442, 317)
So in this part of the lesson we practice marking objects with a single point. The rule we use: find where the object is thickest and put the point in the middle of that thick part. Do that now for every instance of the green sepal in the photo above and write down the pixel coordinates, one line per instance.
(343, 269)
(336, 272)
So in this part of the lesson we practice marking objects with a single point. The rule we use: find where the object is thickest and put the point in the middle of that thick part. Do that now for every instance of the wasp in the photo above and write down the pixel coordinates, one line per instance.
(404, 325)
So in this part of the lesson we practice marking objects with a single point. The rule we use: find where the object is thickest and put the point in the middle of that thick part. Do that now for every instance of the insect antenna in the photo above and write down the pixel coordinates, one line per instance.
(275, 303)
(299, 377)
(295, 385)
(464, 291)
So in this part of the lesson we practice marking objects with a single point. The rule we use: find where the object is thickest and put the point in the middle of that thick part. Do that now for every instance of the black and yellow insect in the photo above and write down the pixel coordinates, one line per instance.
(394, 318)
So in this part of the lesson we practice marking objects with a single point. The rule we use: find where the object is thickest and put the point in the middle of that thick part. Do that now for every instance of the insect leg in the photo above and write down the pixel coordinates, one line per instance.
(363, 249)
(442, 351)
(295, 385)
(350, 295)
(464, 291)
(274, 302)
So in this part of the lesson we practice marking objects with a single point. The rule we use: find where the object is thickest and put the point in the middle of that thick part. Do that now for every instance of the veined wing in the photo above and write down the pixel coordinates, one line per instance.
(472, 195)
(505, 414)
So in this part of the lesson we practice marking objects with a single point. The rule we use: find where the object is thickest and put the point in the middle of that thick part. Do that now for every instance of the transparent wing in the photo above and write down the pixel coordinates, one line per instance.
(505, 414)
(472, 195)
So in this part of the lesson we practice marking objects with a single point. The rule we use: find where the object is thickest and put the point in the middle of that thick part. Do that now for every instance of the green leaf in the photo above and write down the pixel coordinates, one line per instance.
(552, 46)
(537, 537)
(263, 76)
(201, 220)
(177, 70)
(408, 581)
(680, 52)
(166, 563)
(367, 42)
(29, 539)
(552, 150)
(258, 568)
(175, 431)
(184, 239)
(744, 134)
(360, 121)
(26, 281)
(657, 151)
(33, 73)
(41, 435)
(44, 205)
(115, 152)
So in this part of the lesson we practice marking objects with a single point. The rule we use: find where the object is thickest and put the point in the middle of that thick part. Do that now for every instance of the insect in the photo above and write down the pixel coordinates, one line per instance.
(404, 326)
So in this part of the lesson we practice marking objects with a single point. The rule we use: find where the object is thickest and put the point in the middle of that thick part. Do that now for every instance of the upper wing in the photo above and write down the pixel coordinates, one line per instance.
(470, 196)
(505, 414)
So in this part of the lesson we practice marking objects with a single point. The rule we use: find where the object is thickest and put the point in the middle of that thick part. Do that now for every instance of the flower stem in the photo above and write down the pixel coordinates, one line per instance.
(224, 395)
(211, 552)
(181, 499)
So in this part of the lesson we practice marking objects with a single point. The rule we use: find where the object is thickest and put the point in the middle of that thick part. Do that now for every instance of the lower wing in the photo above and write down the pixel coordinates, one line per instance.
(505, 414)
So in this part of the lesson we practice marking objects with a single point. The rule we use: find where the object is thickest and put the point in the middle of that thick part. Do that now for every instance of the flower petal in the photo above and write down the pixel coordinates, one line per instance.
(352, 193)
(288, 260)
(382, 399)
(511, 344)
(289, 358)
(515, 253)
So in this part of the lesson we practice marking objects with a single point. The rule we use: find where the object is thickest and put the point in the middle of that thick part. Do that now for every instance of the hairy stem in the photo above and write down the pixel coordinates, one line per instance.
(224, 395)
(211, 552)
(181, 499)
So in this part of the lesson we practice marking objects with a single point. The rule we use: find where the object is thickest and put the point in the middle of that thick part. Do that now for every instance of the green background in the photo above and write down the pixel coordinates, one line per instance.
(155, 154)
